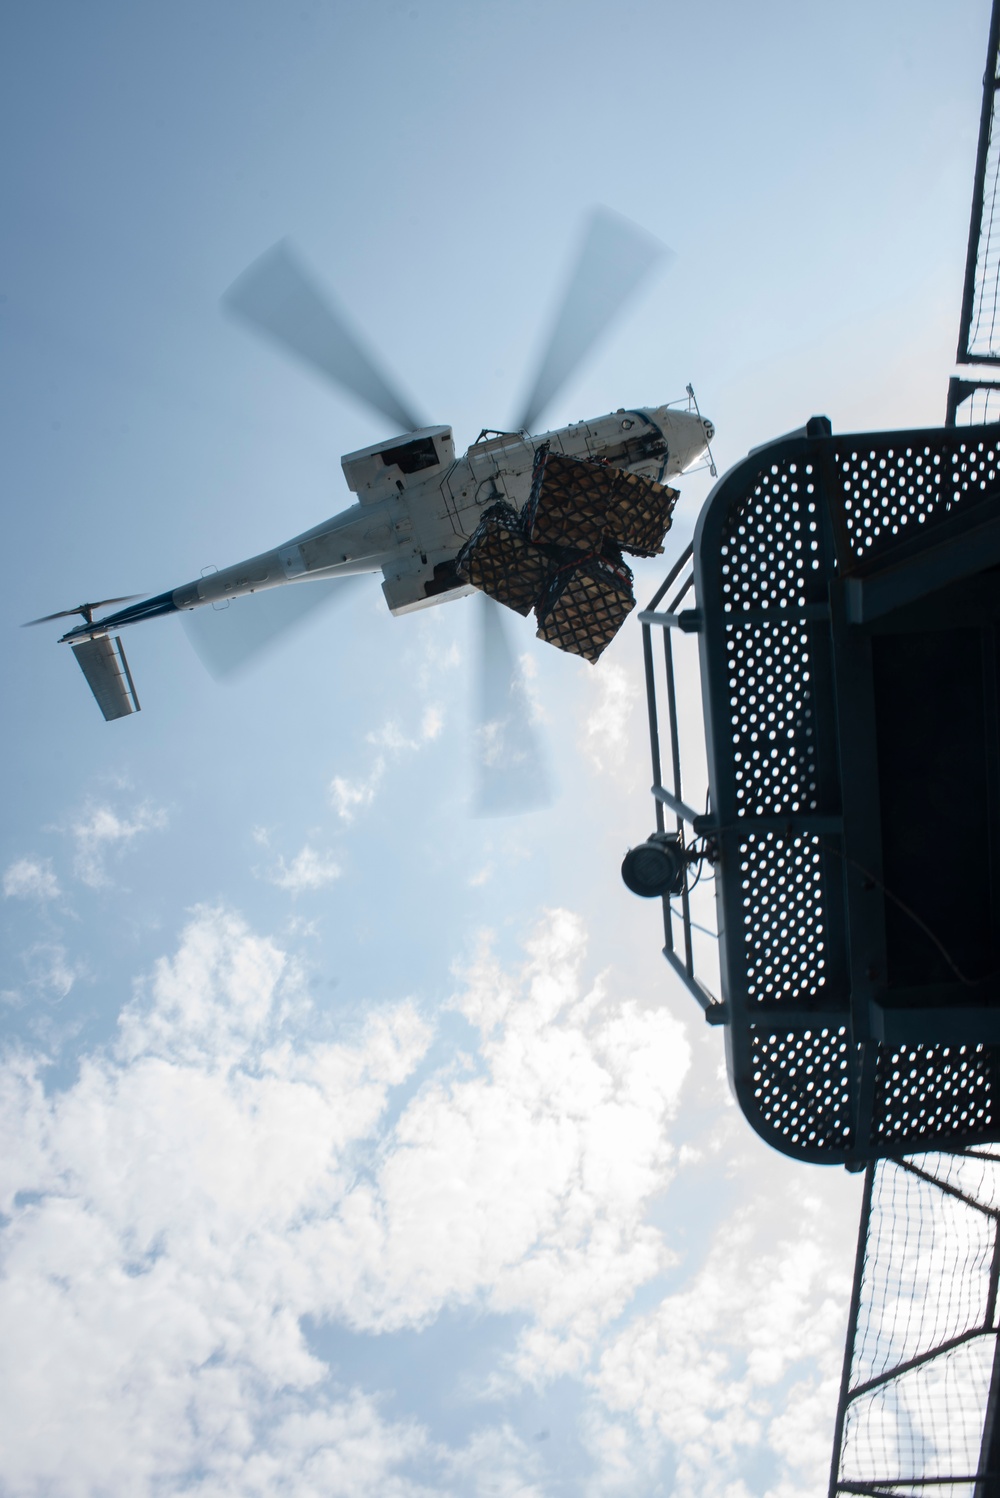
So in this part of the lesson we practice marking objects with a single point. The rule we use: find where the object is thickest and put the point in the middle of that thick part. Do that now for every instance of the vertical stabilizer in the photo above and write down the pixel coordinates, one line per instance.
(102, 661)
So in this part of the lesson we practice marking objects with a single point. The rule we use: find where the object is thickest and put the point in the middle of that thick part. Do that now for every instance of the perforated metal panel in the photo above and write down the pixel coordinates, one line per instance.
(802, 1088)
(784, 930)
(891, 489)
(923, 1092)
(835, 1055)
(774, 737)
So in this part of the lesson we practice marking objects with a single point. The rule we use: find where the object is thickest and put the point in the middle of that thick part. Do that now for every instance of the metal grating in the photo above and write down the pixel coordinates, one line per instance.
(783, 918)
(889, 491)
(773, 738)
(925, 1091)
(777, 518)
(801, 1085)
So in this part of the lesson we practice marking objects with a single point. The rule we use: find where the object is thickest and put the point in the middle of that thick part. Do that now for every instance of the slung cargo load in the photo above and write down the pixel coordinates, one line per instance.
(500, 561)
(585, 605)
(577, 502)
(640, 514)
(569, 500)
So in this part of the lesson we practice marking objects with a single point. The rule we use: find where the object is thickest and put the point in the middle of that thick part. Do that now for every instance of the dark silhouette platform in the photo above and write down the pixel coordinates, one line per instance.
(846, 602)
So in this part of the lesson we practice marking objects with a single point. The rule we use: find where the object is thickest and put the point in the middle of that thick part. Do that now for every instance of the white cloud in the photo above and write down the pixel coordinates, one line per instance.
(225, 1170)
(741, 1363)
(351, 796)
(101, 831)
(218, 1174)
(30, 879)
(308, 870)
(528, 1181)
(606, 725)
(391, 737)
(151, 1281)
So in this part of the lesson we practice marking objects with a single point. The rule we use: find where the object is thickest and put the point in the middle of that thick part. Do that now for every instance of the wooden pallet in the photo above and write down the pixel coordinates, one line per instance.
(569, 501)
(639, 514)
(498, 559)
(584, 606)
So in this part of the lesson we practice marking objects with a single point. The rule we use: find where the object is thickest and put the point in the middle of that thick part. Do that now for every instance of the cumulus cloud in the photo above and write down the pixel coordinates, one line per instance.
(220, 1173)
(308, 870)
(228, 1173)
(30, 879)
(391, 737)
(742, 1364)
(528, 1181)
(606, 726)
(100, 831)
(349, 796)
(151, 1281)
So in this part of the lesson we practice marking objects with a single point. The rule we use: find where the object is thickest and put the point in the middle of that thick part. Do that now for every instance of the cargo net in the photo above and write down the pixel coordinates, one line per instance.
(919, 1408)
(562, 555)
(979, 335)
(585, 605)
(499, 559)
(971, 403)
(580, 503)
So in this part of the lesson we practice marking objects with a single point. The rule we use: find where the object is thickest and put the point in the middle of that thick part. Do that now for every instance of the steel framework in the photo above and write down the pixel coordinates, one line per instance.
(918, 1407)
(977, 398)
(846, 598)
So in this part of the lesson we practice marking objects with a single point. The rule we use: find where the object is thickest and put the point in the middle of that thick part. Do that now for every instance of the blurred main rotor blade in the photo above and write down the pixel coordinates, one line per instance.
(511, 771)
(229, 640)
(82, 608)
(614, 258)
(276, 296)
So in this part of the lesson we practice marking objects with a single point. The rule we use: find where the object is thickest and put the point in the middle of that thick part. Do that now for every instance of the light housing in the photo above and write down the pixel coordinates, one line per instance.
(656, 867)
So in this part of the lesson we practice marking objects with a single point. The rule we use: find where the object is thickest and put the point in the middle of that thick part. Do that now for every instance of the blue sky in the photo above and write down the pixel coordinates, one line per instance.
(354, 1144)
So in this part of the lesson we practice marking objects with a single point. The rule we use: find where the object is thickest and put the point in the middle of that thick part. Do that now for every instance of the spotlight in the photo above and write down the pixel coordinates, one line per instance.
(656, 867)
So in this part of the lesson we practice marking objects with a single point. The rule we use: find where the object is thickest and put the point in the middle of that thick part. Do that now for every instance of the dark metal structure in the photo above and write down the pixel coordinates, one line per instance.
(920, 1392)
(846, 600)
(977, 398)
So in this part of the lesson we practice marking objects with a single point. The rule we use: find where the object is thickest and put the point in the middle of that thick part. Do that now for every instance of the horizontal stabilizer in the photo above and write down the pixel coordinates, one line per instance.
(102, 661)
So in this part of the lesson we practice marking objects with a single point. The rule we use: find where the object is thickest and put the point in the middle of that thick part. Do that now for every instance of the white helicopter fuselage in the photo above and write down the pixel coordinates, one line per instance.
(417, 504)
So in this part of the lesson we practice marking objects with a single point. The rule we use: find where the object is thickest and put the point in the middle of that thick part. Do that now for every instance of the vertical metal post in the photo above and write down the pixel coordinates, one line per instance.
(989, 1447)
(654, 751)
(654, 728)
(675, 761)
(852, 1327)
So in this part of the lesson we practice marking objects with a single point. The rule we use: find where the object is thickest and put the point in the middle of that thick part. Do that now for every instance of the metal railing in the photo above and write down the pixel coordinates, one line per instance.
(690, 825)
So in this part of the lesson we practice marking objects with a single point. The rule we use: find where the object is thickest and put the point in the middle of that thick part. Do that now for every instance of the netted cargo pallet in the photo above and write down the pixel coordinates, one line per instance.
(575, 502)
(498, 559)
(585, 605)
(639, 513)
(569, 501)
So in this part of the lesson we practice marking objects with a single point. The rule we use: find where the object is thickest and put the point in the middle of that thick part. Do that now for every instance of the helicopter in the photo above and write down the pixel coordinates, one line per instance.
(417, 502)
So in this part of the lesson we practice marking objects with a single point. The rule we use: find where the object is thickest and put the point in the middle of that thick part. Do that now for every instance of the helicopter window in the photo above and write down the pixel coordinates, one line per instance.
(412, 456)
